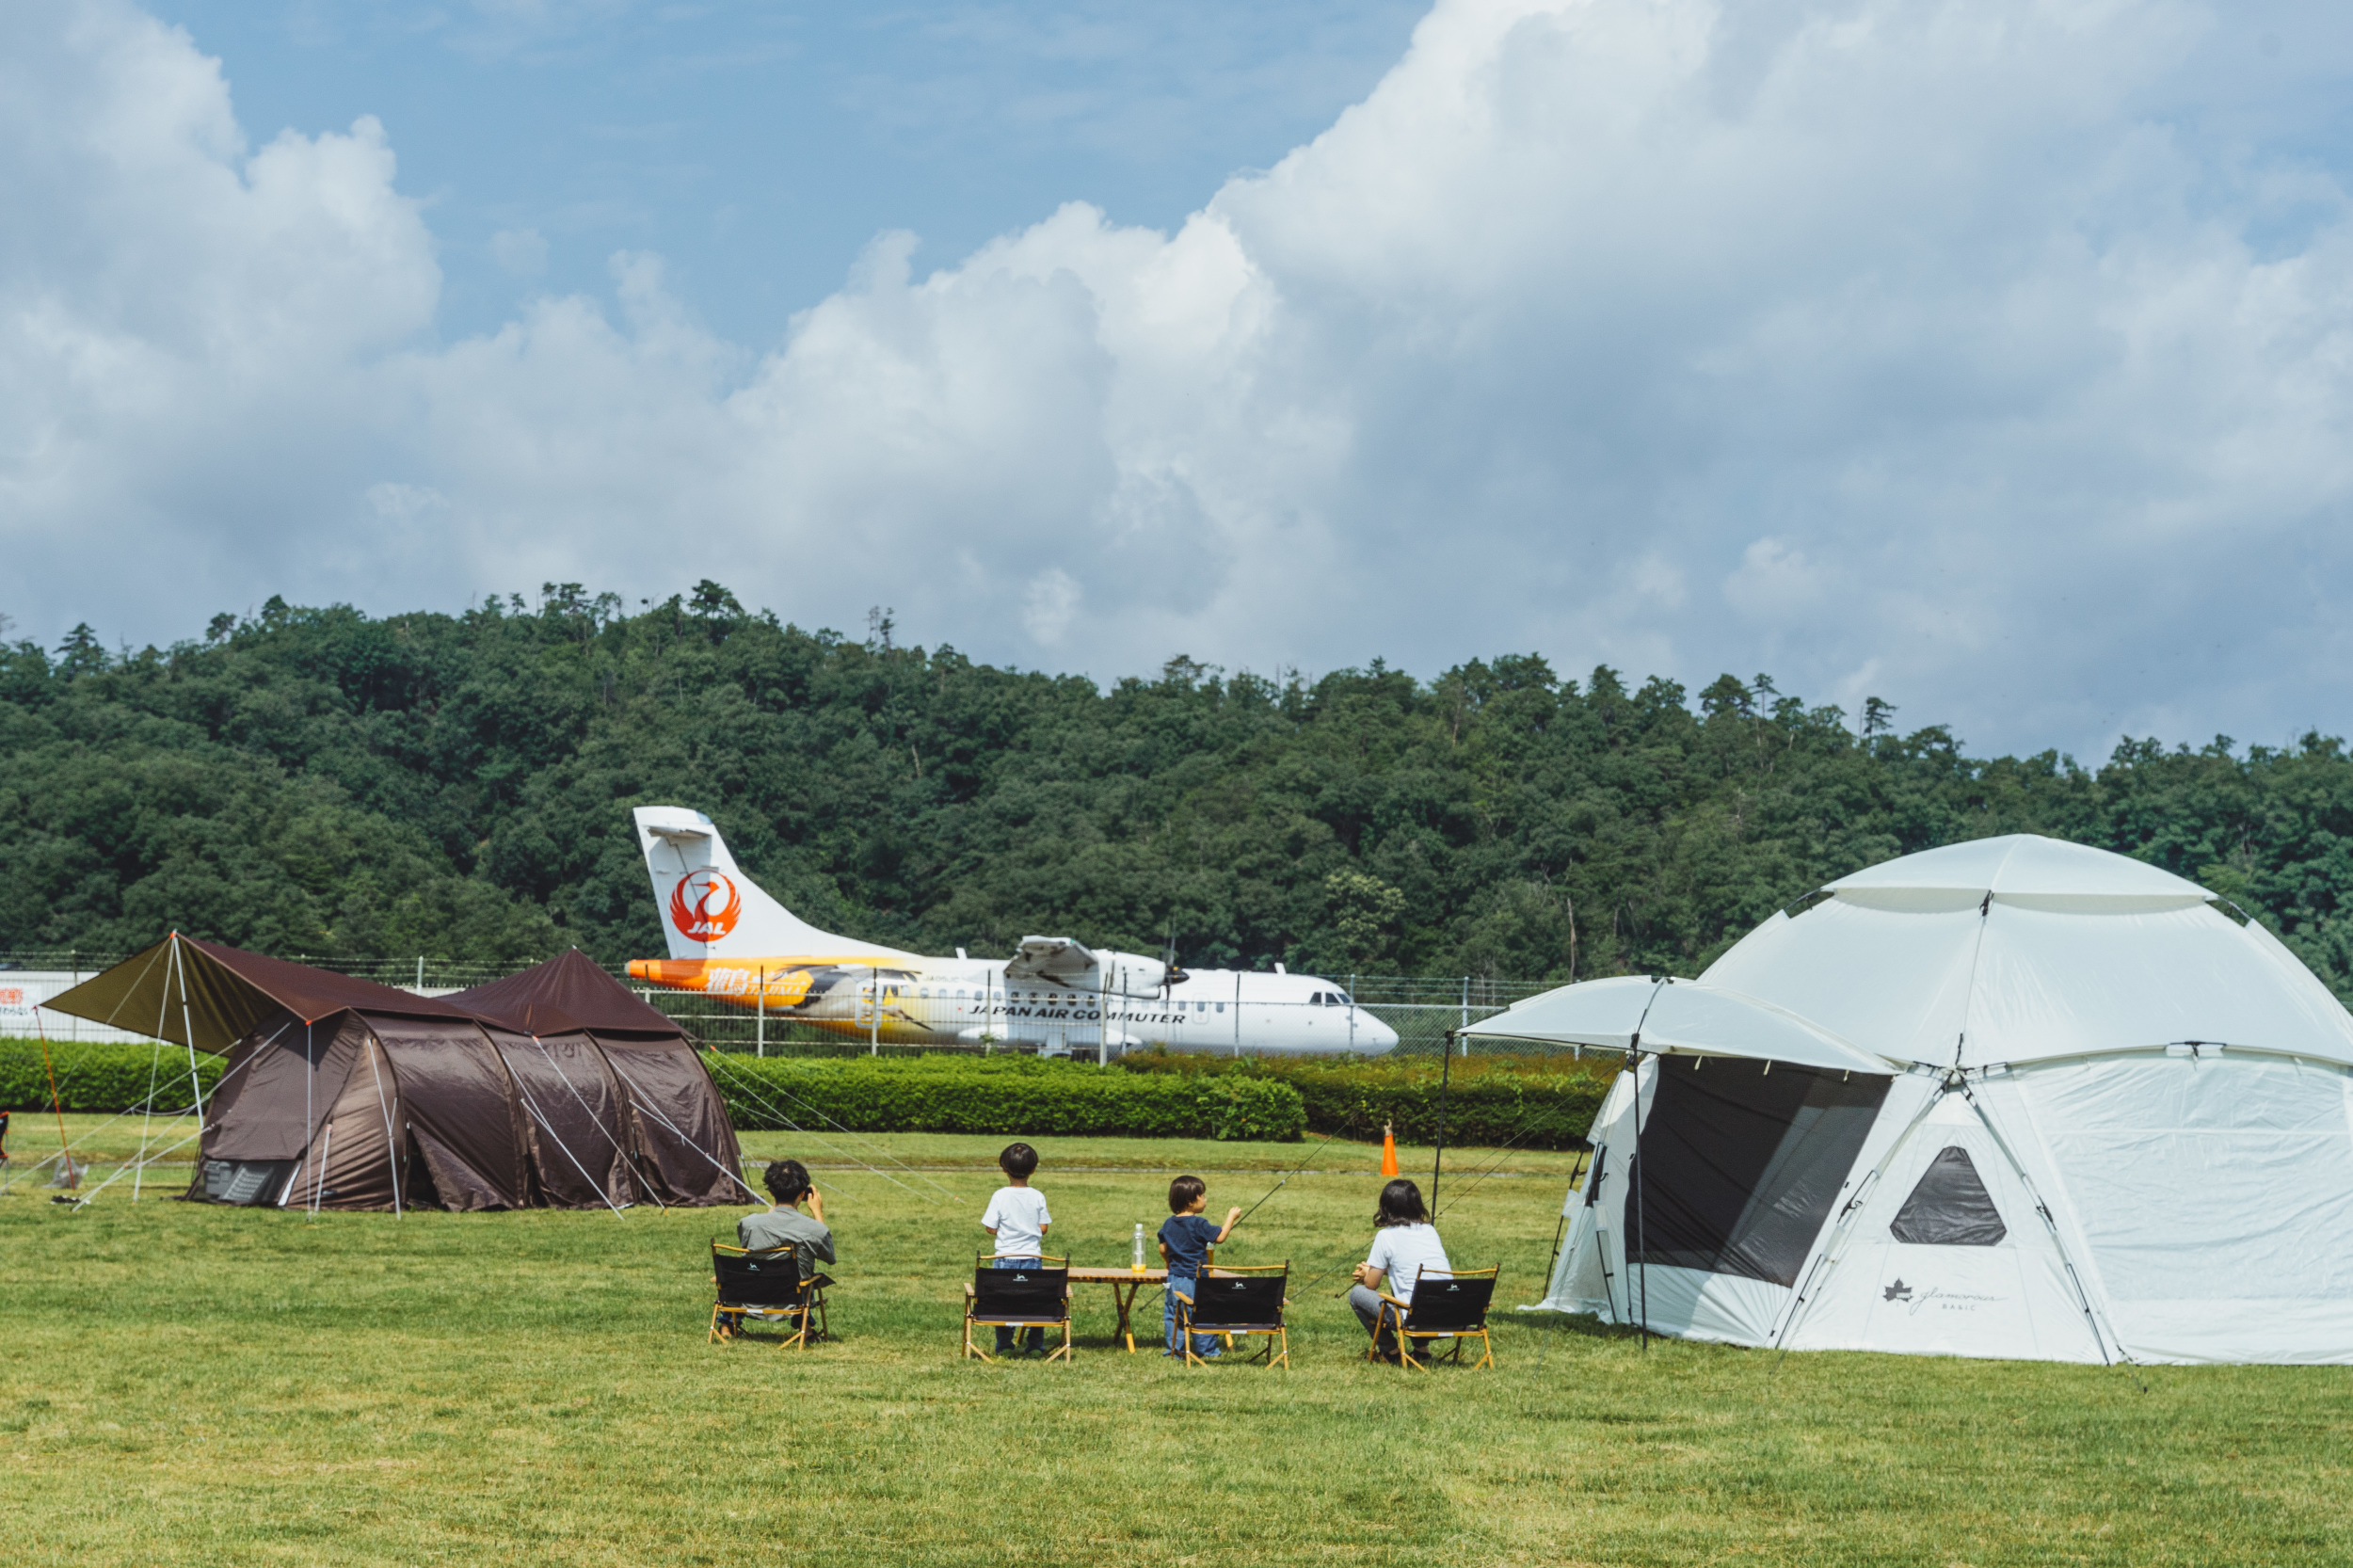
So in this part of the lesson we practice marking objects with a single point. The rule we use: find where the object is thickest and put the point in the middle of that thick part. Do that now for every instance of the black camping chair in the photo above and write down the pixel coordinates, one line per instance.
(766, 1285)
(1445, 1305)
(1030, 1296)
(1243, 1299)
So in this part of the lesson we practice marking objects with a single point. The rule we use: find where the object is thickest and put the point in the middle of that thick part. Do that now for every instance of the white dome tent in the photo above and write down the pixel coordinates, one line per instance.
(2108, 1121)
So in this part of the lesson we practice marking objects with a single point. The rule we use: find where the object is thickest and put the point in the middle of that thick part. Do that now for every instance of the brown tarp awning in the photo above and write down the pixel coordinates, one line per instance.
(204, 994)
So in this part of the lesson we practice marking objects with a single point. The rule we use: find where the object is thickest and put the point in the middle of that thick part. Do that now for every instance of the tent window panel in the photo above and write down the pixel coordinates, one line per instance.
(1738, 1167)
(1949, 1206)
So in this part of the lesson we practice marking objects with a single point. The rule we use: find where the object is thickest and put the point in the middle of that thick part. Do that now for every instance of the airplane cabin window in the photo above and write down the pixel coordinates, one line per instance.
(1221, 1007)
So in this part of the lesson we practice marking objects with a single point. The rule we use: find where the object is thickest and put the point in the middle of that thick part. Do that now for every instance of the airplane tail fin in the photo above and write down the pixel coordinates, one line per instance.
(710, 909)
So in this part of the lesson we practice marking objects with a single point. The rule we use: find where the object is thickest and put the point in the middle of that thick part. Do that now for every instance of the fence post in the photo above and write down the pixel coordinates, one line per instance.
(1465, 1024)
(759, 1029)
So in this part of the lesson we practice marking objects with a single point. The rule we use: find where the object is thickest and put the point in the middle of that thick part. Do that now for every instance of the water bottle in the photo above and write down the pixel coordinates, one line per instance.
(1138, 1264)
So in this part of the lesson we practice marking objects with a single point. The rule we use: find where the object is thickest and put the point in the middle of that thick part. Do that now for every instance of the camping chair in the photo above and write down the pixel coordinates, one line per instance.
(1243, 1300)
(765, 1284)
(1031, 1296)
(1445, 1305)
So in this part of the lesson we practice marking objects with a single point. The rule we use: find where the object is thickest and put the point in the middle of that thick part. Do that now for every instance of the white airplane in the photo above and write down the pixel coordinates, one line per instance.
(730, 940)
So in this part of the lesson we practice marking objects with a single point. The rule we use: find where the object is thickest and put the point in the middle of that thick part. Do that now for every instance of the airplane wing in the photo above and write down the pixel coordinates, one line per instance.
(1054, 958)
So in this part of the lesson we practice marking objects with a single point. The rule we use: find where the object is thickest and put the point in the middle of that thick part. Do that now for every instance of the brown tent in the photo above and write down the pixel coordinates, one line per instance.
(342, 1094)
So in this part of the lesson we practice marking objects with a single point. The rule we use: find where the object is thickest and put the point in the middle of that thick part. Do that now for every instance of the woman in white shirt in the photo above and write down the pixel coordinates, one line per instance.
(1405, 1244)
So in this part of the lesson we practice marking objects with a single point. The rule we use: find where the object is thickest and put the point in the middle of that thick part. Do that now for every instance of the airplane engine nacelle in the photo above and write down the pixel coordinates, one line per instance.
(1130, 974)
(1061, 962)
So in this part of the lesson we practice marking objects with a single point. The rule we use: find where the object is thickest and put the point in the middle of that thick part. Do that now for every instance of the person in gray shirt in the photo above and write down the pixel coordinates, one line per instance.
(789, 1184)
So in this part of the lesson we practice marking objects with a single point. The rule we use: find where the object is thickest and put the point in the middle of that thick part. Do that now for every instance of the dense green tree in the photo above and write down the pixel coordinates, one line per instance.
(321, 781)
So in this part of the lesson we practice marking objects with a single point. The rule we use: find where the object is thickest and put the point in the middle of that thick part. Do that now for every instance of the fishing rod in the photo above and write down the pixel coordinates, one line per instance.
(1526, 1124)
(1284, 1180)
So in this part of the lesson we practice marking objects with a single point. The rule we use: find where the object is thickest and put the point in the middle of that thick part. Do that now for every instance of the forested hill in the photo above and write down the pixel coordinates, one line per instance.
(320, 781)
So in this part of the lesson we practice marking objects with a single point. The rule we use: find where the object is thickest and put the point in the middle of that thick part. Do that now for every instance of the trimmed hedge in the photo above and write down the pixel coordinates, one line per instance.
(1010, 1094)
(103, 1077)
(1489, 1100)
(1534, 1105)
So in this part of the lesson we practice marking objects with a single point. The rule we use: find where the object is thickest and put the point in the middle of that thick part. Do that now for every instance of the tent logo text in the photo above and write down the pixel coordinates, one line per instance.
(705, 906)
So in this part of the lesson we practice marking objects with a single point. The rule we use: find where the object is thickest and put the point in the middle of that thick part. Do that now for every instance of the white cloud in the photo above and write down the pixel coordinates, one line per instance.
(1974, 352)
(1776, 584)
(1051, 601)
(520, 252)
(397, 503)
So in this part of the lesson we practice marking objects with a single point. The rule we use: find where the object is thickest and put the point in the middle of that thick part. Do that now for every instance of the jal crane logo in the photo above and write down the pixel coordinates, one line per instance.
(705, 904)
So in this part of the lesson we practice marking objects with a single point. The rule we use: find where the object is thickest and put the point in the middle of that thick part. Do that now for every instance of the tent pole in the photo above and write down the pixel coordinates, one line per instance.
(1641, 1233)
(1437, 1158)
(391, 1144)
(2083, 1297)
(318, 1178)
(65, 1149)
(154, 1068)
(196, 1084)
(309, 1127)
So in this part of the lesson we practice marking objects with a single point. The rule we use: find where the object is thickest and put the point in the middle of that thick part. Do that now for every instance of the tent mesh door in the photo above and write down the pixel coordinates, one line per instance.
(1740, 1164)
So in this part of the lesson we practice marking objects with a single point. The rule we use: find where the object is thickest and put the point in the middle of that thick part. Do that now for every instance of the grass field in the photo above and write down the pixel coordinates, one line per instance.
(192, 1384)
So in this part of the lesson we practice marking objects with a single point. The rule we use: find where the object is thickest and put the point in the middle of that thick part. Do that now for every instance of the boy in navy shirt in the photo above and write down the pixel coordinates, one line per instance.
(1185, 1242)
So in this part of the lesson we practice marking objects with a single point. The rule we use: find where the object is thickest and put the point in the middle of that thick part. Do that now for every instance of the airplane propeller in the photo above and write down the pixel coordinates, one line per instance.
(1170, 974)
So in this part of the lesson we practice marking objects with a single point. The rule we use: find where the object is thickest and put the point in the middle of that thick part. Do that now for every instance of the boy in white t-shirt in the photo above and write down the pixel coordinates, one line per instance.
(1017, 1219)
(1405, 1244)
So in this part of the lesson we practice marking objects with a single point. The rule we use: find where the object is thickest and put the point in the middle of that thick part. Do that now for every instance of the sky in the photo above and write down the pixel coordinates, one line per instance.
(1994, 360)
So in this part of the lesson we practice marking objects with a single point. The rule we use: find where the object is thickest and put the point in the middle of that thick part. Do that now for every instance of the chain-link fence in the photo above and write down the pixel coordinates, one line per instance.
(902, 1012)
(892, 1012)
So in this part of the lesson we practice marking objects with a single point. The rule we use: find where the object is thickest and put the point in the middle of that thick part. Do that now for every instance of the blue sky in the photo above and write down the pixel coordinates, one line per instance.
(759, 147)
(1992, 359)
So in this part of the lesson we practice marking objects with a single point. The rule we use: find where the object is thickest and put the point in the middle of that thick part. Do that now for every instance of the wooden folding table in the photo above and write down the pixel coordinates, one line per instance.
(1125, 1283)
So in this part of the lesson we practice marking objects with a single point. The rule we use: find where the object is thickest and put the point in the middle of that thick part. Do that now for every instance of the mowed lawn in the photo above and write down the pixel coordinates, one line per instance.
(184, 1384)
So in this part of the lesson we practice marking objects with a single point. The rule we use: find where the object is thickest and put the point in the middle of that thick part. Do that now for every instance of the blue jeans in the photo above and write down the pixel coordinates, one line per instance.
(1005, 1335)
(1202, 1344)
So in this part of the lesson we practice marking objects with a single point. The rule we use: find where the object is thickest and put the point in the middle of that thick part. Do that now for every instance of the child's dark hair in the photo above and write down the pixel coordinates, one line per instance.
(1183, 1190)
(1400, 1204)
(788, 1179)
(1017, 1161)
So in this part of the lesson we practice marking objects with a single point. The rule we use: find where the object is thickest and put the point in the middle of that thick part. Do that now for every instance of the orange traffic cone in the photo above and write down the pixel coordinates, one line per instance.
(1388, 1150)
